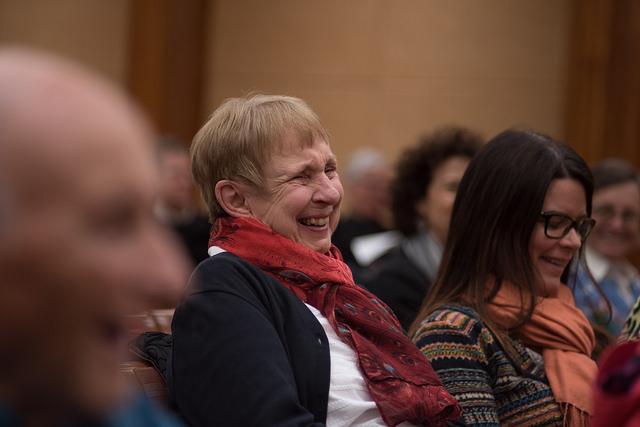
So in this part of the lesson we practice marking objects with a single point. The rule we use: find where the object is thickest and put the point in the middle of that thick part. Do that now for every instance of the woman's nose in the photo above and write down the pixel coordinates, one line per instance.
(572, 239)
(328, 191)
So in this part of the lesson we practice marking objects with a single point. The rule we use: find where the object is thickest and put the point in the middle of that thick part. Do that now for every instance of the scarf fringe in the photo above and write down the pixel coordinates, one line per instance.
(572, 416)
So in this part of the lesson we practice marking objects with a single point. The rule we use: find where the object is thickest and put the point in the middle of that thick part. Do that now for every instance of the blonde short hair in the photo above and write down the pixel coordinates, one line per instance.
(240, 137)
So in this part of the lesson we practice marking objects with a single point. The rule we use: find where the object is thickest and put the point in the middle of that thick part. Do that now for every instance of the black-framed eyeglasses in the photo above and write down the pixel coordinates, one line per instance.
(558, 225)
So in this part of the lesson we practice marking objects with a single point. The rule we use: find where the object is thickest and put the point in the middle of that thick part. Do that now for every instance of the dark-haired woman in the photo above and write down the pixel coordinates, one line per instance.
(426, 179)
(499, 325)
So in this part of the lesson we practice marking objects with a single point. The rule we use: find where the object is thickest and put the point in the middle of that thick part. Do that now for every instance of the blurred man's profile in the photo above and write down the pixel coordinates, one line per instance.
(79, 246)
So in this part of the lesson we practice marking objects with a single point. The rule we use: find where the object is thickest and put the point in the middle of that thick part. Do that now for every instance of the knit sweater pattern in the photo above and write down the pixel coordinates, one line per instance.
(494, 387)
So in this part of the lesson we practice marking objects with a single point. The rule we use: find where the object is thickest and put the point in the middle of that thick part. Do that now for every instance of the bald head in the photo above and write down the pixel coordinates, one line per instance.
(81, 249)
(36, 82)
(53, 114)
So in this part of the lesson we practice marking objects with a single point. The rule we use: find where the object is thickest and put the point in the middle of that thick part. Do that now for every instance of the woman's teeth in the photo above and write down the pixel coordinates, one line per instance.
(555, 261)
(315, 222)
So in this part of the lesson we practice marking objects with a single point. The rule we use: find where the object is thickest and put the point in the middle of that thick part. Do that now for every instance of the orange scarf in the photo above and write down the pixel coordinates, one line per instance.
(565, 337)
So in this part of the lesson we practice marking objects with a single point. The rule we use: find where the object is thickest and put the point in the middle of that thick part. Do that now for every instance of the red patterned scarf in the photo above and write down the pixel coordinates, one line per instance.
(399, 378)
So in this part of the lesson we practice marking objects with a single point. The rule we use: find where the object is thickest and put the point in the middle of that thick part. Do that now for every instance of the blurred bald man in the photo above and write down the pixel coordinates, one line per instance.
(79, 248)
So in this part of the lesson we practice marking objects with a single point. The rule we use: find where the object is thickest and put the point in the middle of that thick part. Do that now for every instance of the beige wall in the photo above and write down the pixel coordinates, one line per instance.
(380, 72)
(94, 32)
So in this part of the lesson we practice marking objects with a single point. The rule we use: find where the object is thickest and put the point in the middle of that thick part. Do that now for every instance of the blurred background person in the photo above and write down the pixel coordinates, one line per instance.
(616, 209)
(422, 194)
(176, 205)
(79, 248)
(499, 324)
(367, 178)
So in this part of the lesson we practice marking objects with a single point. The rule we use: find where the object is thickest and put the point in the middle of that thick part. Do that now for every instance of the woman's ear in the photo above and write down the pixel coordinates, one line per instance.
(232, 197)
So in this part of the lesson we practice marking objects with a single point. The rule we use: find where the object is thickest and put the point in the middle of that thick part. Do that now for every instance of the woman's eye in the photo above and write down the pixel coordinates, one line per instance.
(557, 222)
(330, 171)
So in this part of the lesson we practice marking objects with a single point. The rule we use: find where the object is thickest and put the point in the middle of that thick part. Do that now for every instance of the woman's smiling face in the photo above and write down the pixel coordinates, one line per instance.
(301, 195)
(551, 256)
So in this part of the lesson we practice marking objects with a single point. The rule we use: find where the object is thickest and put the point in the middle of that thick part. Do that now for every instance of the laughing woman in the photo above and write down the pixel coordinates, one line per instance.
(274, 332)
(500, 325)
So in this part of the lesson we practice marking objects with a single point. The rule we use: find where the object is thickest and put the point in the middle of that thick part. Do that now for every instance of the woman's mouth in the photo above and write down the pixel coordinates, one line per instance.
(314, 222)
(554, 261)
(558, 264)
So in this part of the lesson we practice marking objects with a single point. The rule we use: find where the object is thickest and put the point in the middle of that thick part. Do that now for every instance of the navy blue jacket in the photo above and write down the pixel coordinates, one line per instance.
(397, 281)
(246, 351)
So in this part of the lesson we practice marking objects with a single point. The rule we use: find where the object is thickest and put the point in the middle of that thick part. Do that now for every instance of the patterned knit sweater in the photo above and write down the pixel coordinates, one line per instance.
(493, 386)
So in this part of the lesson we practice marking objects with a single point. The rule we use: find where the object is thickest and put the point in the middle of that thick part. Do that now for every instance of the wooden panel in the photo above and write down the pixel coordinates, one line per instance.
(93, 32)
(603, 102)
(623, 126)
(166, 60)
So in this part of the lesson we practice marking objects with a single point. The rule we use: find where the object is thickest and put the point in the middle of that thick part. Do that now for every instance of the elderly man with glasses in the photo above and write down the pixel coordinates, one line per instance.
(616, 209)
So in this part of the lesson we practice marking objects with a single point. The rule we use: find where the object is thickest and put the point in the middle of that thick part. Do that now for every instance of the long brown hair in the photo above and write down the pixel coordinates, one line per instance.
(498, 203)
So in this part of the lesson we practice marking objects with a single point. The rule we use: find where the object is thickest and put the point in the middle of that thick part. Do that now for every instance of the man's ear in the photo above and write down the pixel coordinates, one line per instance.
(232, 197)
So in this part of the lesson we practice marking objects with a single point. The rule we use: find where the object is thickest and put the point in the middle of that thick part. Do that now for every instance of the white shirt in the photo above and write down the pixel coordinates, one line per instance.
(350, 403)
